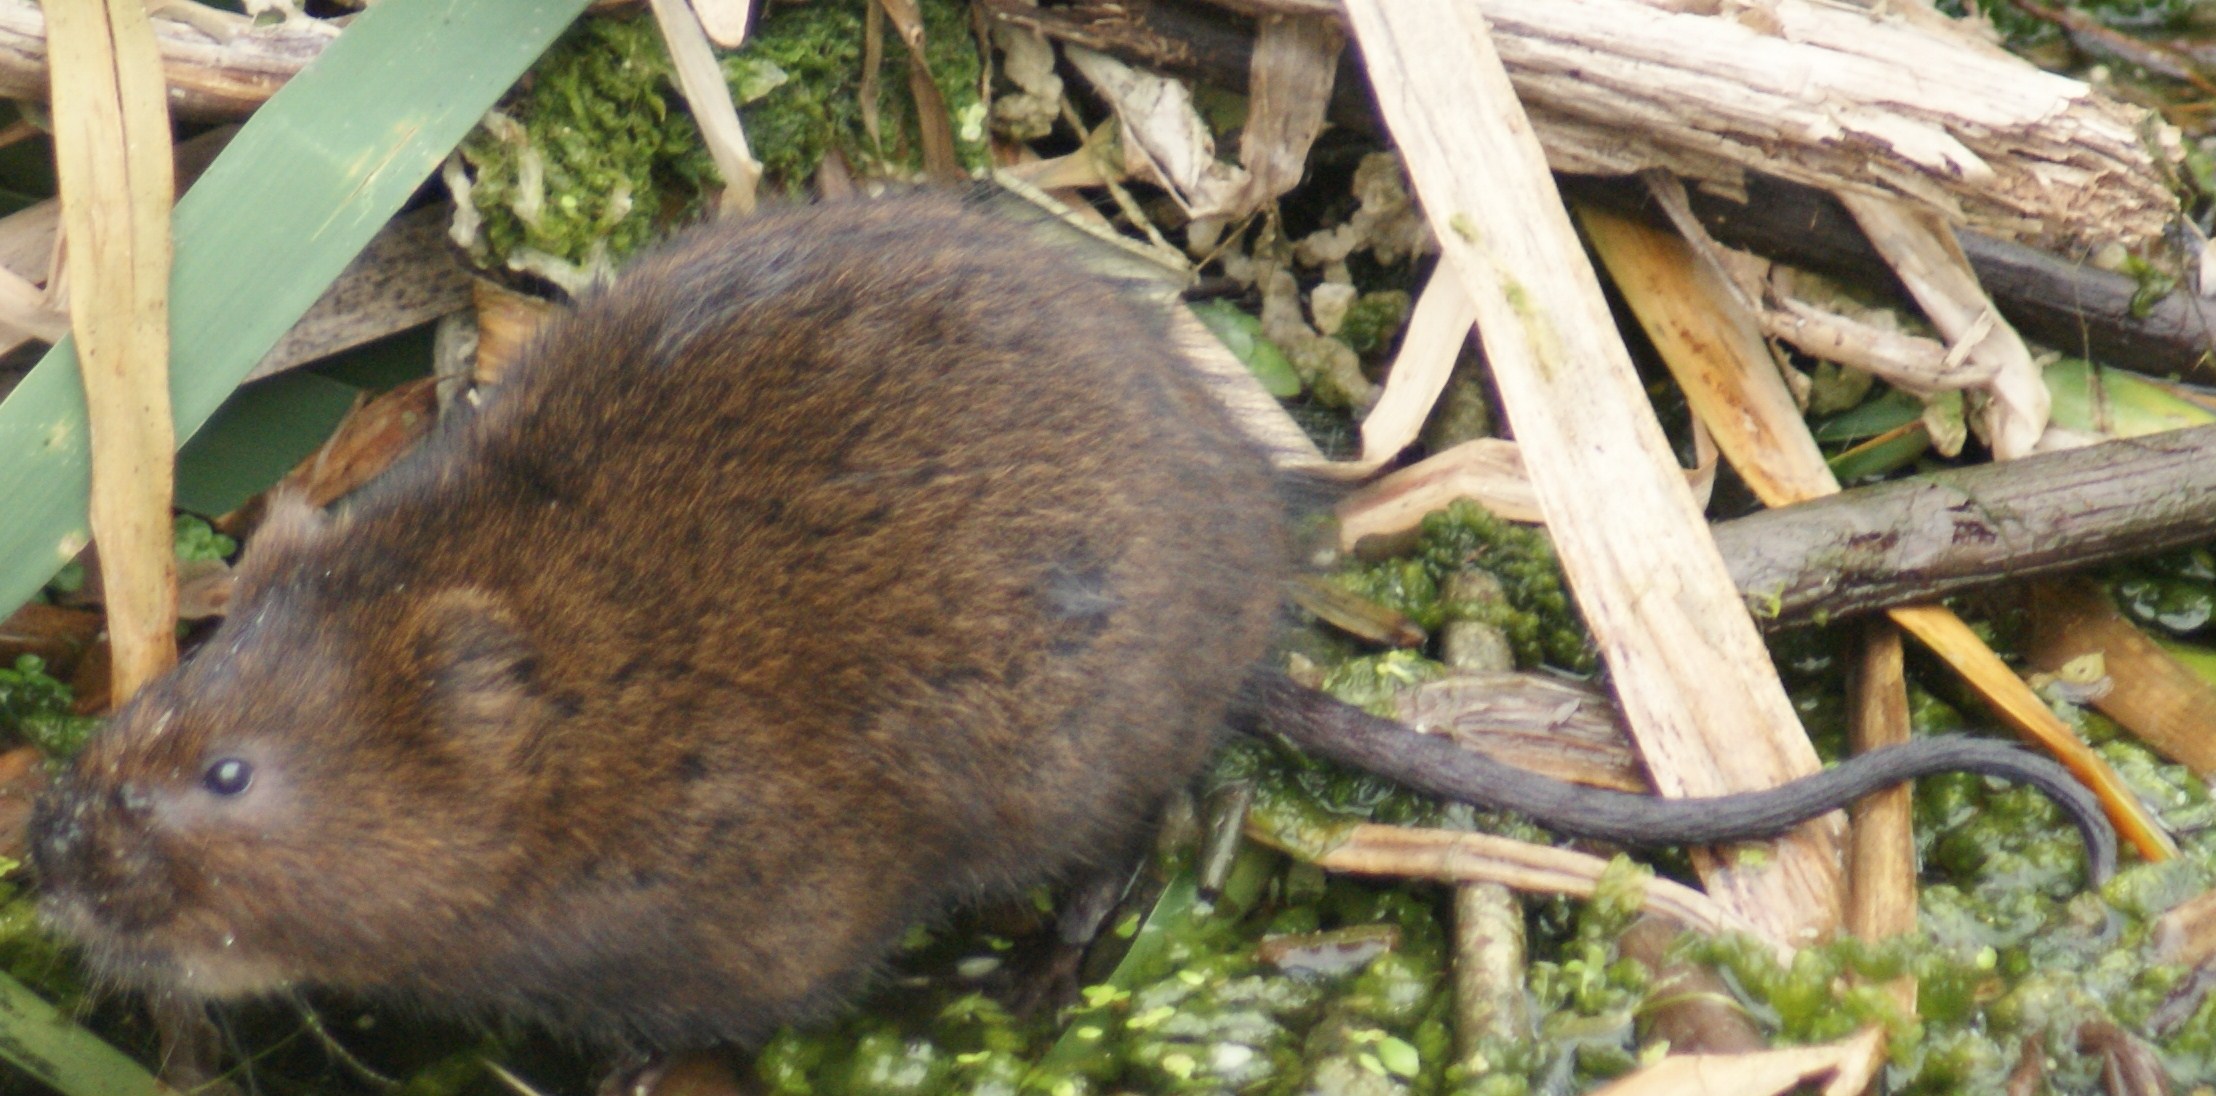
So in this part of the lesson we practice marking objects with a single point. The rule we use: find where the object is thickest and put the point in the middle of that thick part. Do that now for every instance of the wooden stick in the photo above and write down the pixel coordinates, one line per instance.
(1825, 94)
(1694, 679)
(1894, 543)
(1421, 368)
(1819, 93)
(1935, 535)
(1491, 970)
(209, 78)
(1881, 854)
(1456, 857)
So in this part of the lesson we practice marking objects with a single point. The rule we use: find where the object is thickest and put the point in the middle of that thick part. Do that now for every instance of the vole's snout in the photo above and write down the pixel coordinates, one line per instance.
(88, 862)
(57, 833)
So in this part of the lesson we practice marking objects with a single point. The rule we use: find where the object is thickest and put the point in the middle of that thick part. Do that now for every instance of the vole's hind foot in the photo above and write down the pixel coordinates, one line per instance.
(1046, 980)
(1048, 975)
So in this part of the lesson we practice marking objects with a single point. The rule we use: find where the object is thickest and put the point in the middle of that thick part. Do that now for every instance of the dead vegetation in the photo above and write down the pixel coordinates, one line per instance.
(1937, 160)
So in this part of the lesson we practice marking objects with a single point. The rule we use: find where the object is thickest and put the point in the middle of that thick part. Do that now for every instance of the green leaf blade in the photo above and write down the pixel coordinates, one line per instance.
(324, 164)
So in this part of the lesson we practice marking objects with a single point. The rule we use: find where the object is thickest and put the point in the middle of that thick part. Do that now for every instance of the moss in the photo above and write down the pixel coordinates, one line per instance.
(819, 49)
(2008, 945)
(818, 108)
(2009, 948)
(1370, 681)
(585, 162)
(596, 153)
(1374, 320)
(1534, 611)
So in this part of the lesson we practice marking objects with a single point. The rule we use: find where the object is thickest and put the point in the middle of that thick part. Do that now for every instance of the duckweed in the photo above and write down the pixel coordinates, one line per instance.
(36, 708)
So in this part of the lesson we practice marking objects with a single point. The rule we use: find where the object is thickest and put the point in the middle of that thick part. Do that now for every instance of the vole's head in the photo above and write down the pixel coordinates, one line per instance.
(326, 778)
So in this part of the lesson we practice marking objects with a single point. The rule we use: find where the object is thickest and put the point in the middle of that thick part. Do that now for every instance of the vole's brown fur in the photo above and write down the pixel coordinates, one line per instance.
(832, 567)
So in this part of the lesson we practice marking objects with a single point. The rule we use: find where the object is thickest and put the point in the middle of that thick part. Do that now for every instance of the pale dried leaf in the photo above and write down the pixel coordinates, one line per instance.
(1718, 357)
(1488, 471)
(1437, 330)
(1845, 1068)
(406, 277)
(1562, 729)
(2185, 935)
(726, 21)
(373, 435)
(1906, 361)
(1082, 168)
(1691, 673)
(700, 78)
(1289, 83)
(112, 157)
(203, 589)
(1028, 111)
(1161, 126)
(1453, 856)
(25, 312)
(1922, 250)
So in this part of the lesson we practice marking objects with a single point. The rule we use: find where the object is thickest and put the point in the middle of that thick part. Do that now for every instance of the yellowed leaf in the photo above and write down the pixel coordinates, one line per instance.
(112, 157)
(1711, 348)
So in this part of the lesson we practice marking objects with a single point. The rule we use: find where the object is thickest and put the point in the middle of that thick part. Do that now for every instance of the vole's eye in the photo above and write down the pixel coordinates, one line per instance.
(227, 776)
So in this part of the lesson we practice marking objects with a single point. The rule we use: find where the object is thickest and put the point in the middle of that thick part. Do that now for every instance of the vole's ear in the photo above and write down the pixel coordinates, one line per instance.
(478, 664)
(290, 525)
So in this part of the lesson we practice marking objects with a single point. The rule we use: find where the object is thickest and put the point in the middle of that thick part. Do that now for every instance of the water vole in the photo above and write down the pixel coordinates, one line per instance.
(825, 570)
(831, 568)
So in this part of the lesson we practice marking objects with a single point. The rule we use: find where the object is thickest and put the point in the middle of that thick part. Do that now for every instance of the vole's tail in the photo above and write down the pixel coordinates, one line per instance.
(1274, 704)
